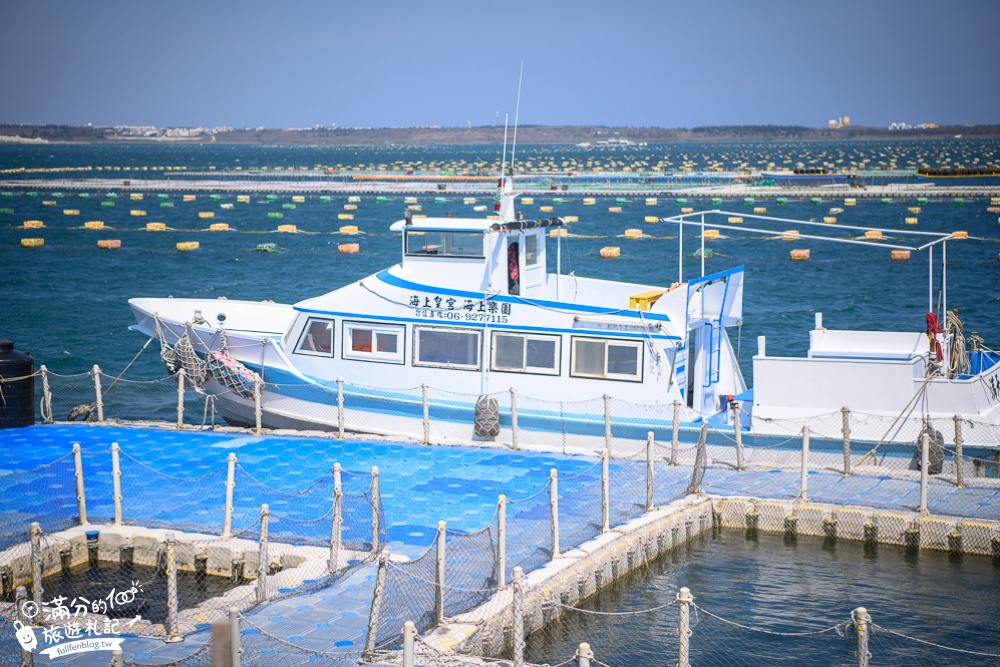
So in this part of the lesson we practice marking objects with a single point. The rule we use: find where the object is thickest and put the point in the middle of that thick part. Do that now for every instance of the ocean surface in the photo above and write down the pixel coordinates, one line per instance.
(66, 303)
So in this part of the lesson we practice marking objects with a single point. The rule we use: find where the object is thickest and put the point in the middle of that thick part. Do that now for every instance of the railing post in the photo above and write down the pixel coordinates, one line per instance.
(98, 394)
(584, 655)
(227, 520)
(650, 498)
(607, 421)
(862, 624)
(738, 434)
(81, 494)
(684, 600)
(116, 479)
(172, 630)
(376, 503)
(262, 555)
(554, 511)
(336, 524)
(36, 564)
(804, 472)
(518, 617)
(27, 658)
(257, 411)
(605, 493)
(674, 430)
(180, 397)
(409, 635)
(340, 408)
(513, 418)
(236, 652)
(46, 396)
(427, 413)
(501, 541)
(924, 447)
(959, 482)
(442, 535)
(845, 428)
(376, 610)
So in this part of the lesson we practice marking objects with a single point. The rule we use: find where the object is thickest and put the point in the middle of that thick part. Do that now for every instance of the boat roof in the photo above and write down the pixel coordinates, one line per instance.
(473, 224)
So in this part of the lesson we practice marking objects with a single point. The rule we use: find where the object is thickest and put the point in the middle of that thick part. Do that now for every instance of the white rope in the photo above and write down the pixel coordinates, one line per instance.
(638, 612)
(940, 646)
(833, 628)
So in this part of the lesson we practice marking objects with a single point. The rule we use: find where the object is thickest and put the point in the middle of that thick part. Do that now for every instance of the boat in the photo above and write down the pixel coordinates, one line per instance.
(469, 323)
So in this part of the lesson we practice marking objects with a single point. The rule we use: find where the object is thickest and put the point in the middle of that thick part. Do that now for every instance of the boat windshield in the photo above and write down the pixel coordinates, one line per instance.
(444, 243)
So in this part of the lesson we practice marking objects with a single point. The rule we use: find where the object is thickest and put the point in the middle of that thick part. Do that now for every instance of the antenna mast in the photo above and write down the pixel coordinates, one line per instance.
(517, 110)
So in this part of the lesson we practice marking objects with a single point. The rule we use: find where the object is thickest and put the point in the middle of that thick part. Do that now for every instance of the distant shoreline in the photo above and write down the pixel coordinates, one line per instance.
(488, 135)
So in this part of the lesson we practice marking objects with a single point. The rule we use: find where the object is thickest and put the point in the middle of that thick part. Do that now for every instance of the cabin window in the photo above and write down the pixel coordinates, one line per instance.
(610, 359)
(420, 243)
(446, 348)
(531, 250)
(366, 341)
(525, 353)
(317, 338)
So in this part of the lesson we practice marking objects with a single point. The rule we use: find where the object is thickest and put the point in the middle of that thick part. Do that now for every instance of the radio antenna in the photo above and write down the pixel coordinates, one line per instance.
(517, 110)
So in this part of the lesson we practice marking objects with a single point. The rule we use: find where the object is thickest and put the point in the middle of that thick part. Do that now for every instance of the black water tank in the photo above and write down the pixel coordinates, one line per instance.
(17, 386)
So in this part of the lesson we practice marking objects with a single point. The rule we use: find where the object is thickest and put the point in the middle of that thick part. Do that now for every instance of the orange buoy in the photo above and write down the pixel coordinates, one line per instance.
(899, 255)
(93, 224)
(188, 245)
(799, 255)
(109, 244)
(873, 234)
(348, 248)
(32, 243)
(960, 235)
(790, 235)
(33, 224)
(633, 233)
(611, 252)
(711, 234)
(290, 229)
(156, 226)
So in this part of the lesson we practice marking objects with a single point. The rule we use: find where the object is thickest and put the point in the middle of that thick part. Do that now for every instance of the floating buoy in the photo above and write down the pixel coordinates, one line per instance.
(910, 221)
(479, 209)
(836, 211)
(7, 211)
(570, 218)
(93, 224)
(781, 201)
(188, 245)
(109, 204)
(633, 233)
(135, 196)
(169, 204)
(652, 218)
(48, 202)
(681, 201)
(276, 215)
(735, 220)
(349, 229)
(188, 198)
(873, 234)
(472, 200)
(710, 234)
(219, 227)
(759, 209)
(993, 209)
(350, 207)
(546, 209)
(267, 247)
(816, 201)
(290, 229)
(850, 202)
(651, 201)
(288, 207)
(32, 243)
(348, 248)
(345, 216)
(611, 252)
(109, 244)
(589, 201)
(215, 197)
(914, 209)
(353, 199)
(899, 255)
(922, 201)
(748, 200)
(830, 220)
(33, 224)
(298, 198)
(960, 235)
(790, 235)
(271, 198)
(414, 207)
(958, 201)
(994, 201)
(206, 214)
(71, 211)
(563, 232)
(716, 201)
(226, 206)
(409, 200)
(621, 200)
(687, 209)
(243, 199)
(135, 213)
(799, 255)
(156, 227)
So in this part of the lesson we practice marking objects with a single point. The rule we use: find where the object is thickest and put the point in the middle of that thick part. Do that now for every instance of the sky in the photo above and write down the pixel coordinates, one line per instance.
(388, 63)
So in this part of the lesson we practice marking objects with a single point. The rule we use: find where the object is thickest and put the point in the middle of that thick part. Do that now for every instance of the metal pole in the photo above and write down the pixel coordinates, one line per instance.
(376, 504)
(36, 564)
(99, 396)
(930, 279)
(376, 610)
(336, 524)
(81, 494)
(340, 408)
(180, 397)
(518, 617)
(738, 434)
(27, 659)
(650, 500)
(924, 447)
(234, 637)
(607, 421)
(257, 411)
(584, 655)
(227, 520)
(675, 428)
(862, 623)
(427, 414)
(958, 452)
(409, 635)
(501, 541)
(116, 478)
(442, 534)
(554, 510)
(845, 428)
(262, 555)
(513, 418)
(703, 245)
(684, 600)
(680, 252)
(46, 396)
(804, 475)
(172, 631)
(605, 494)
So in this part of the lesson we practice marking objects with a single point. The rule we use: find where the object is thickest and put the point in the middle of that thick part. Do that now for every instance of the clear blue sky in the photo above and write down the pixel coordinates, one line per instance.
(386, 63)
